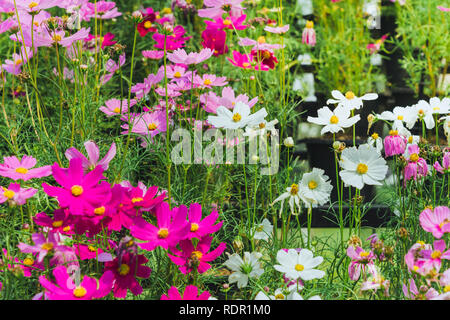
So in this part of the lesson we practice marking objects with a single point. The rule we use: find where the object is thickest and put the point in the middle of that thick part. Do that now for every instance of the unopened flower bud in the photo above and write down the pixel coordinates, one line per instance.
(237, 244)
(288, 142)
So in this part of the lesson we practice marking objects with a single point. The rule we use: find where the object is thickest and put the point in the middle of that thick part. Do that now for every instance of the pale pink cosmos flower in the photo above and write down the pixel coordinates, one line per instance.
(33, 6)
(216, 8)
(23, 169)
(14, 66)
(211, 101)
(181, 57)
(259, 44)
(42, 245)
(433, 257)
(153, 54)
(15, 194)
(105, 10)
(436, 221)
(143, 89)
(115, 107)
(416, 165)
(361, 259)
(48, 39)
(93, 152)
(309, 34)
(277, 30)
(444, 9)
(148, 123)
(112, 67)
(445, 164)
(411, 292)
(209, 81)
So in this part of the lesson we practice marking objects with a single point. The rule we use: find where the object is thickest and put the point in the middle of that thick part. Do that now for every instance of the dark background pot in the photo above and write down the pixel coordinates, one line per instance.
(321, 155)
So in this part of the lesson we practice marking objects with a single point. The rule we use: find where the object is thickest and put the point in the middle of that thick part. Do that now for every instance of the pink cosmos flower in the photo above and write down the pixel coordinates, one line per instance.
(190, 293)
(416, 165)
(66, 289)
(148, 123)
(199, 227)
(27, 265)
(444, 9)
(143, 89)
(171, 228)
(115, 107)
(264, 59)
(360, 260)
(375, 47)
(191, 257)
(42, 245)
(181, 57)
(105, 41)
(376, 281)
(15, 194)
(48, 38)
(444, 281)
(80, 193)
(209, 81)
(216, 8)
(394, 144)
(60, 222)
(101, 10)
(87, 252)
(149, 17)
(437, 221)
(14, 66)
(34, 6)
(125, 271)
(259, 44)
(153, 54)
(433, 258)
(240, 60)
(227, 23)
(411, 292)
(413, 259)
(215, 39)
(173, 41)
(309, 34)
(93, 152)
(24, 169)
(445, 164)
(141, 198)
(277, 30)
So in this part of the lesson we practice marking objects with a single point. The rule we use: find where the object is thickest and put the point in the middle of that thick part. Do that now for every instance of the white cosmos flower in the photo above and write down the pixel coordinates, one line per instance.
(261, 129)
(421, 111)
(375, 141)
(238, 118)
(350, 100)
(399, 115)
(363, 165)
(294, 198)
(263, 230)
(334, 121)
(440, 106)
(315, 188)
(299, 264)
(249, 267)
(279, 294)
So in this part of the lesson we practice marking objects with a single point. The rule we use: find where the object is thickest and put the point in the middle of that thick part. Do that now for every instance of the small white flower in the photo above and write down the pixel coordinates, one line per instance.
(421, 111)
(375, 141)
(279, 294)
(289, 142)
(261, 129)
(240, 117)
(294, 198)
(315, 188)
(334, 121)
(263, 230)
(363, 165)
(399, 115)
(440, 106)
(249, 267)
(350, 100)
(299, 264)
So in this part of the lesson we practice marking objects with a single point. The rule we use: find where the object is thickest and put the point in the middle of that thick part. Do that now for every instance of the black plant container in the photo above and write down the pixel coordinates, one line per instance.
(321, 155)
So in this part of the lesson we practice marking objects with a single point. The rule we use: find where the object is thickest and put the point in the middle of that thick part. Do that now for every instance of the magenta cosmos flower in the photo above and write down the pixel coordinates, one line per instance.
(360, 260)
(171, 228)
(115, 107)
(227, 23)
(105, 41)
(15, 194)
(125, 270)
(80, 193)
(191, 257)
(24, 169)
(93, 152)
(181, 57)
(216, 8)
(436, 221)
(394, 144)
(60, 222)
(66, 289)
(445, 164)
(173, 41)
(240, 60)
(416, 165)
(141, 198)
(433, 257)
(190, 293)
(215, 39)
(199, 227)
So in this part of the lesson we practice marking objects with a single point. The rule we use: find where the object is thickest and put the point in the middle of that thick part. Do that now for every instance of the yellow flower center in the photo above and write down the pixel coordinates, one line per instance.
(261, 39)
(410, 139)
(196, 255)
(207, 82)
(393, 133)
(447, 288)
(350, 95)
(100, 211)
(294, 189)
(260, 228)
(21, 170)
(92, 249)
(147, 25)
(362, 168)
(194, 227)
(444, 223)
(375, 136)
(124, 269)
(310, 24)
(76, 190)
(9, 194)
(79, 292)
(166, 11)
(262, 125)
(57, 38)
(266, 55)
(57, 224)
(415, 268)
(237, 117)
(130, 243)
(47, 246)
(28, 261)
(299, 267)
(312, 185)
(66, 229)
(227, 22)
(279, 296)
(163, 233)
(436, 254)
(421, 112)
(152, 126)
(334, 119)
(246, 64)
(138, 199)
(116, 110)
(18, 62)
(364, 254)
(414, 157)
(400, 118)
(177, 74)
(32, 5)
